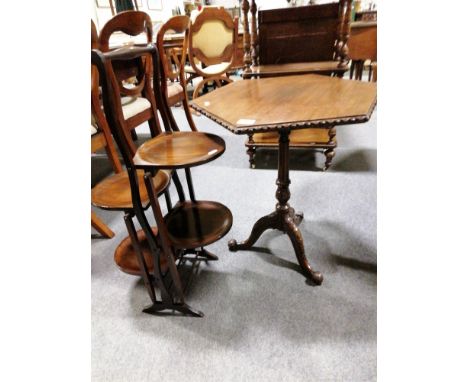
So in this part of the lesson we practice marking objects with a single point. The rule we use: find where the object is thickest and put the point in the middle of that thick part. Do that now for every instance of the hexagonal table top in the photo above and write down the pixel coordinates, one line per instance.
(293, 102)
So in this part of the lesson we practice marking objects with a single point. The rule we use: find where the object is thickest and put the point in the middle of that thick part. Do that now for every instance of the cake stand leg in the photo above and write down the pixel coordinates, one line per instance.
(141, 260)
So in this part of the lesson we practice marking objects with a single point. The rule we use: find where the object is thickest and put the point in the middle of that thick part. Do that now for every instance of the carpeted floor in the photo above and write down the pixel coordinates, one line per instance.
(263, 321)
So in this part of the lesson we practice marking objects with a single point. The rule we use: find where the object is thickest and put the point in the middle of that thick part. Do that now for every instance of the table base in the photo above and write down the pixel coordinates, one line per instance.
(284, 217)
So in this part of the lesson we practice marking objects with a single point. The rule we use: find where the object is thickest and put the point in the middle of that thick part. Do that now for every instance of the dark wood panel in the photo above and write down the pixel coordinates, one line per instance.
(301, 34)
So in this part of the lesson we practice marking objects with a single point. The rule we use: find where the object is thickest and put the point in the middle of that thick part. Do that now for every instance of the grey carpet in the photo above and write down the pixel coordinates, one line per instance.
(263, 321)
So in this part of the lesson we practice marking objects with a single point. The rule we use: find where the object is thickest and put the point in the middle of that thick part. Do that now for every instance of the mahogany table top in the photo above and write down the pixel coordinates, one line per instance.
(292, 102)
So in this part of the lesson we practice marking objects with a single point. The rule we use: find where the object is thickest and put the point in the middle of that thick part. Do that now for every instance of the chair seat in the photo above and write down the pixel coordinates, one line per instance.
(114, 193)
(209, 70)
(179, 149)
(295, 68)
(175, 93)
(132, 106)
(302, 137)
(174, 89)
(189, 69)
(215, 69)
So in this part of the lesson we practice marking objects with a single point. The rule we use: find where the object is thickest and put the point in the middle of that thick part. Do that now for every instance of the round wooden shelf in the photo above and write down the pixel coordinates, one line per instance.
(190, 225)
(114, 193)
(126, 259)
(179, 149)
(196, 224)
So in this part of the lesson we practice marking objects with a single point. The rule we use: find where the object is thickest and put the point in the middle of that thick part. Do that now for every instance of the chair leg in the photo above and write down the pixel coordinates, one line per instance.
(329, 154)
(100, 226)
(351, 70)
(251, 152)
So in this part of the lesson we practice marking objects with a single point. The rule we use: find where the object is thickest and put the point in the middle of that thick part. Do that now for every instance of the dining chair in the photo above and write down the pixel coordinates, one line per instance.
(100, 135)
(134, 86)
(212, 42)
(363, 50)
(189, 225)
(295, 41)
(173, 64)
(112, 193)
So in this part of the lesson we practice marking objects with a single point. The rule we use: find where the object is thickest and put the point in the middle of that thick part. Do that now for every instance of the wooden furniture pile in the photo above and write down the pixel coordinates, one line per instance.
(139, 83)
(101, 136)
(180, 235)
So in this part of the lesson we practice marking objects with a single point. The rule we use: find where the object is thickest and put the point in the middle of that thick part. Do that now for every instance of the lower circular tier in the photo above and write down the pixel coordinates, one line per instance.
(190, 225)
(126, 258)
(196, 224)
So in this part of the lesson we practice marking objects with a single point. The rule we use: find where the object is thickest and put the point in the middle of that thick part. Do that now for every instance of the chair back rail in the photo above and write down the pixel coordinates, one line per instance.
(132, 23)
(173, 62)
(103, 138)
(133, 75)
(212, 39)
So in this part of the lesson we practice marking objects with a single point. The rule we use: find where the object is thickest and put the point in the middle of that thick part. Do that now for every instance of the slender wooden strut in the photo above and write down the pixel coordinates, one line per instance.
(284, 217)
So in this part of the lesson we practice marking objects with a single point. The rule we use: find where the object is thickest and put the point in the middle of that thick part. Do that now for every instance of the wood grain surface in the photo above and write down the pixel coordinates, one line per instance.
(291, 102)
(179, 150)
(114, 192)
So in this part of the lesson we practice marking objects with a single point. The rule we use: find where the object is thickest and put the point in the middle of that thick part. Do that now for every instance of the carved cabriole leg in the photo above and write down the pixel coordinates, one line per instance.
(283, 218)
(245, 24)
(287, 217)
(251, 151)
(254, 34)
(330, 152)
(295, 236)
(266, 222)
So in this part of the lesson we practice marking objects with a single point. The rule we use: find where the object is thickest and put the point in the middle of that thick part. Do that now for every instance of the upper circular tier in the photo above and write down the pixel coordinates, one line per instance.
(179, 149)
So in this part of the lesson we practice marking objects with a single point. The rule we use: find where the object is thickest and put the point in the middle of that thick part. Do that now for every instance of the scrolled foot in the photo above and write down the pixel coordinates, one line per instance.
(232, 245)
(262, 224)
(316, 277)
